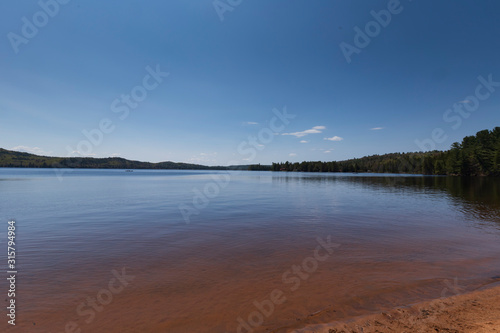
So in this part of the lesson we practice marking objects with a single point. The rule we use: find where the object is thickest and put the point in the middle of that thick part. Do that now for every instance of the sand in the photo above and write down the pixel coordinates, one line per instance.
(477, 311)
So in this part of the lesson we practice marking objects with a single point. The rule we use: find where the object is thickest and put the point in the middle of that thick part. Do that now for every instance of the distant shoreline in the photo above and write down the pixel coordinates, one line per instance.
(477, 155)
(238, 168)
(219, 169)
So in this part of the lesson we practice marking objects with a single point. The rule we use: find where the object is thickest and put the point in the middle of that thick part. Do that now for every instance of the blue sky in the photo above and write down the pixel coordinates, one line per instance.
(226, 76)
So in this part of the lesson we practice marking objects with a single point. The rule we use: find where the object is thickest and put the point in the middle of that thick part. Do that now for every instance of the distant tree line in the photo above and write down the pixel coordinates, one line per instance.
(14, 159)
(477, 155)
(259, 167)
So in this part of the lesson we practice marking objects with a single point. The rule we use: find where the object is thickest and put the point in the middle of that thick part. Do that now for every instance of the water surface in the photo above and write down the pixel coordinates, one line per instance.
(401, 239)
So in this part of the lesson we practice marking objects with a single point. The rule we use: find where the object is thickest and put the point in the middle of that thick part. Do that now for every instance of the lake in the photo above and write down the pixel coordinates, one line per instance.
(216, 251)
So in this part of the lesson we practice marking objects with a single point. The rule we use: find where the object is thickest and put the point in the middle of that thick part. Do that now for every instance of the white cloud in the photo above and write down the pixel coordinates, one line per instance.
(292, 154)
(251, 123)
(303, 141)
(327, 151)
(334, 138)
(31, 150)
(115, 155)
(466, 101)
(314, 130)
(376, 128)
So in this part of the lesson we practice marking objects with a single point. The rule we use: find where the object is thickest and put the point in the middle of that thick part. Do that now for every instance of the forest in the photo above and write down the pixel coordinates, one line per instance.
(477, 155)
(14, 159)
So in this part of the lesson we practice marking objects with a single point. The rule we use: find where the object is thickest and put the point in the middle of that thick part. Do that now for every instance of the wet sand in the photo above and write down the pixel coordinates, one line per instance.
(475, 312)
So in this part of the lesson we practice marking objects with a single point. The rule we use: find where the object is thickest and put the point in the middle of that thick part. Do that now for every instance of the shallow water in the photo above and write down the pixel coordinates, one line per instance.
(251, 238)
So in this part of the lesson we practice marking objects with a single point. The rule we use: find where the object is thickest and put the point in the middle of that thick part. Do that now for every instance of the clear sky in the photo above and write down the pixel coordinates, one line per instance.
(66, 66)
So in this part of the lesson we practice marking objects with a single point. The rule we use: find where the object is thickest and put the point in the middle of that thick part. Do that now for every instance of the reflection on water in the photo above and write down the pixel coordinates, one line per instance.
(476, 197)
(402, 239)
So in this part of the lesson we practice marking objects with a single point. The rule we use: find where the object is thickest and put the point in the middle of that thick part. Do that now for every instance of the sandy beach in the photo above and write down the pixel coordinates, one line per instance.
(477, 311)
